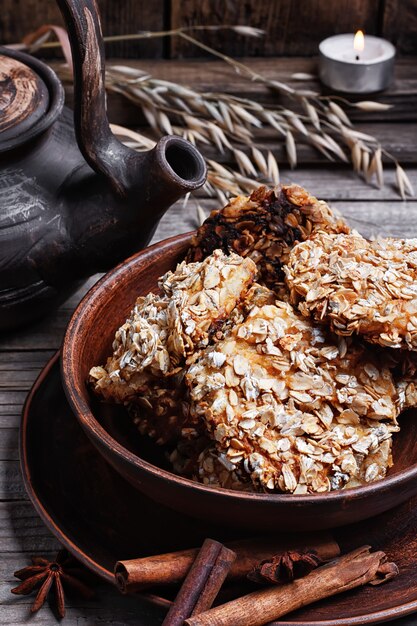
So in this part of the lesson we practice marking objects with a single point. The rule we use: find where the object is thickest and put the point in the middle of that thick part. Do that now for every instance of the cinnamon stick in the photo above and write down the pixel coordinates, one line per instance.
(202, 583)
(137, 574)
(255, 609)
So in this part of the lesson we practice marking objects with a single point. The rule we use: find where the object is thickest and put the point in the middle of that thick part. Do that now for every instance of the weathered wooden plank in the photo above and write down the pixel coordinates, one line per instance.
(397, 219)
(21, 17)
(11, 485)
(214, 75)
(400, 24)
(9, 444)
(12, 362)
(286, 32)
(344, 184)
(291, 29)
(398, 140)
(30, 17)
(18, 613)
(47, 333)
(214, 72)
(22, 530)
(11, 403)
(10, 421)
(19, 370)
(124, 112)
(130, 16)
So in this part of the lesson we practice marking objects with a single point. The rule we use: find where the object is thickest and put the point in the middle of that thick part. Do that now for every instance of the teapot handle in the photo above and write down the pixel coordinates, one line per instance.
(100, 148)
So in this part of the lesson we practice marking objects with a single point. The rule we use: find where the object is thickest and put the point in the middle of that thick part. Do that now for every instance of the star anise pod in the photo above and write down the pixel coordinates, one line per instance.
(283, 568)
(44, 575)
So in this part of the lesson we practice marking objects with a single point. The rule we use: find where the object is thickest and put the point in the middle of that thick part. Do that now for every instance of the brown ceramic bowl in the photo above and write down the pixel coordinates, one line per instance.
(88, 342)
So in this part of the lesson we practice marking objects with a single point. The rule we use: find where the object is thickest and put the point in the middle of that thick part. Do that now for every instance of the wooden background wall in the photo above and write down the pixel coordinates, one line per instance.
(293, 27)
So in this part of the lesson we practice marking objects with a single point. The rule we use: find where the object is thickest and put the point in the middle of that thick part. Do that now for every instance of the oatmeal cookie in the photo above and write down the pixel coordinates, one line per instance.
(163, 329)
(209, 467)
(358, 286)
(156, 404)
(161, 412)
(293, 408)
(161, 408)
(145, 371)
(264, 227)
(403, 365)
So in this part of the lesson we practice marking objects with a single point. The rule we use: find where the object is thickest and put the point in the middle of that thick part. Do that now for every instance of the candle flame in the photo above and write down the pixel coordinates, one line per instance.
(359, 41)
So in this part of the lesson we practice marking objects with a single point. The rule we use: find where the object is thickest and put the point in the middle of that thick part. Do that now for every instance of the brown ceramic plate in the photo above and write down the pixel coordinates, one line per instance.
(100, 518)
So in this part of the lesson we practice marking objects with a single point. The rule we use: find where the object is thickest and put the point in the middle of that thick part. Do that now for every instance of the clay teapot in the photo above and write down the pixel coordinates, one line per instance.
(74, 200)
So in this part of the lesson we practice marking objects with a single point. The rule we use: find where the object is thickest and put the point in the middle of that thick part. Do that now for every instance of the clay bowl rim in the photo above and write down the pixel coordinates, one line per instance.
(82, 411)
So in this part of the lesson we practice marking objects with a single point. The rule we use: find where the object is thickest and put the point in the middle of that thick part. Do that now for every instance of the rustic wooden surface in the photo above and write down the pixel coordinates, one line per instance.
(21, 17)
(23, 353)
(188, 72)
(292, 27)
(399, 24)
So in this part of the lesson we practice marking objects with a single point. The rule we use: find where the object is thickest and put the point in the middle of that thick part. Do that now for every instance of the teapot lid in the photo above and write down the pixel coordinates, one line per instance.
(24, 98)
(31, 97)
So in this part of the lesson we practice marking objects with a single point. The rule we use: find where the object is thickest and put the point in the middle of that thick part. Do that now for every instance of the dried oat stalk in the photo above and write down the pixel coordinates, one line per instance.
(230, 124)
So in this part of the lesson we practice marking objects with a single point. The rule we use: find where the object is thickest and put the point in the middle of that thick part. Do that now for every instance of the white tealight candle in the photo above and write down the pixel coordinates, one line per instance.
(356, 63)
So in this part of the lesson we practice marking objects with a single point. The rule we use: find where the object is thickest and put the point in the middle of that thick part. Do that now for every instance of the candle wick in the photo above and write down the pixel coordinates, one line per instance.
(357, 57)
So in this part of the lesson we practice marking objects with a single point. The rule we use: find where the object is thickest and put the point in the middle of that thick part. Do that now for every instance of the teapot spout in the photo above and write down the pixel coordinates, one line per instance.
(177, 163)
(165, 173)
(159, 178)
(105, 227)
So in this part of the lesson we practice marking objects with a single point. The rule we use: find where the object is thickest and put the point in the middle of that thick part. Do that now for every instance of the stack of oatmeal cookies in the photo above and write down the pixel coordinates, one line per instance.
(279, 355)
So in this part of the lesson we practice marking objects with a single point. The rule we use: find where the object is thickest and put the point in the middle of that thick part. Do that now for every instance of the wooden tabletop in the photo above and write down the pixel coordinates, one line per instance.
(24, 353)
